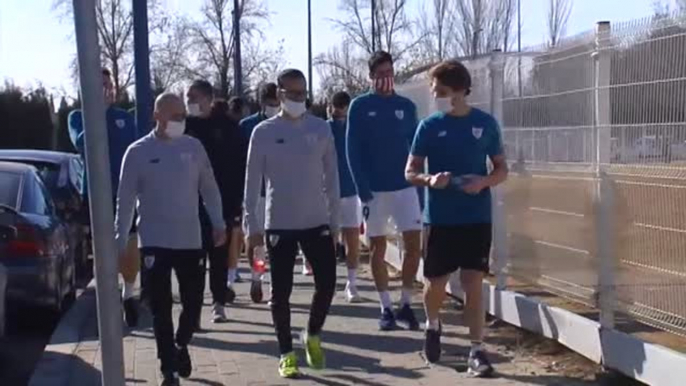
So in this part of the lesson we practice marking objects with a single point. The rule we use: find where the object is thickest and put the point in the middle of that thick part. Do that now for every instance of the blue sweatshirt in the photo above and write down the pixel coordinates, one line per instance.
(249, 123)
(121, 132)
(380, 132)
(345, 178)
(247, 126)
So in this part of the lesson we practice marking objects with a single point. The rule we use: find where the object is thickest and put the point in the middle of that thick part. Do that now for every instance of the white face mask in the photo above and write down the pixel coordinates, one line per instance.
(270, 111)
(293, 108)
(444, 105)
(194, 110)
(175, 129)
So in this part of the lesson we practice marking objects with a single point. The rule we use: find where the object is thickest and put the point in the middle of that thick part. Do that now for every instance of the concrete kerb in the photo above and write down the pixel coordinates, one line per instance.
(649, 363)
(54, 367)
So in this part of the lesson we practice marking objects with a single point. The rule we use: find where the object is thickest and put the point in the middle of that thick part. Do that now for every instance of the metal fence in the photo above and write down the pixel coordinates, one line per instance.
(595, 131)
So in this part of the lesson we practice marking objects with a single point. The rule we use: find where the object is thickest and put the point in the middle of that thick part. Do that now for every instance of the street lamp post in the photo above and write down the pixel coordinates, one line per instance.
(373, 25)
(237, 65)
(309, 51)
(100, 192)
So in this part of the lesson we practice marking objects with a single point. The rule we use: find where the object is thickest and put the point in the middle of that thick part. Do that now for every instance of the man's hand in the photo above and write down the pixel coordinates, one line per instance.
(219, 237)
(256, 241)
(475, 184)
(440, 180)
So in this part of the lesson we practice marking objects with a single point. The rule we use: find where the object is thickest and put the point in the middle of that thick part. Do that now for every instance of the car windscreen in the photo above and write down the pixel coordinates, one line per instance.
(9, 188)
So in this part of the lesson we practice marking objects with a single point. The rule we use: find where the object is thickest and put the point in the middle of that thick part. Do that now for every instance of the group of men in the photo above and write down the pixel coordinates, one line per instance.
(293, 182)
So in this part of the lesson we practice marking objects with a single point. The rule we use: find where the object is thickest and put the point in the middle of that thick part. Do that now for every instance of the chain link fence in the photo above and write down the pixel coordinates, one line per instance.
(595, 132)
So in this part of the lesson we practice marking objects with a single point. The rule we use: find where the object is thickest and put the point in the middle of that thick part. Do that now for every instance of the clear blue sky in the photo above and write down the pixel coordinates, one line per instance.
(36, 46)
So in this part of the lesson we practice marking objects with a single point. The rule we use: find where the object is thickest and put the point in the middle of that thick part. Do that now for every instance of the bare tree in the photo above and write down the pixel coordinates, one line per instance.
(485, 25)
(393, 25)
(436, 26)
(557, 18)
(341, 69)
(168, 58)
(115, 32)
(213, 38)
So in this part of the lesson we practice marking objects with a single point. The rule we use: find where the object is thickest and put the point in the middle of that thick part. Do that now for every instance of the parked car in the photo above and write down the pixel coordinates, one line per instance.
(62, 174)
(34, 241)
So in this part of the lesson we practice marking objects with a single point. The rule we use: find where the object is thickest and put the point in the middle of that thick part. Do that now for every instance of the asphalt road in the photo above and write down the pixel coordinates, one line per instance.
(28, 331)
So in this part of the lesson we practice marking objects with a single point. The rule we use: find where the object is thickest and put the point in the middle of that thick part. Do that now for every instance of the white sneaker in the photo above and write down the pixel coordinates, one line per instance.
(307, 270)
(219, 314)
(351, 294)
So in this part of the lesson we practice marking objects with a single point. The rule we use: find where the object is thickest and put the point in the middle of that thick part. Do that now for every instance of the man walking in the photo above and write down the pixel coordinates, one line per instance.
(166, 172)
(227, 151)
(269, 107)
(457, 141)
(350, 208)
(381, 125)
(296, 155)
(121, 132)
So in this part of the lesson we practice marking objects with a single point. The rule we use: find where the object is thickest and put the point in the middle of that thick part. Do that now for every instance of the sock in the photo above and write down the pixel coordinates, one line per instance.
(232, 276)
(433, 324)
(352, 277)
(406, 296)
(385, 299)
(127, 291)
(476, 347)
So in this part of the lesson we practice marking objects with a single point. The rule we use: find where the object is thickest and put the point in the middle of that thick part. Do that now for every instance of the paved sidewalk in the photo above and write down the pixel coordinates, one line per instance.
(244, 351)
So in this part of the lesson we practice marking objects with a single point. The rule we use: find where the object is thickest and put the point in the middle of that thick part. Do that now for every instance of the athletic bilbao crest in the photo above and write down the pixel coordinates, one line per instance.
(477, 132)
(400, 114)
(273, 240)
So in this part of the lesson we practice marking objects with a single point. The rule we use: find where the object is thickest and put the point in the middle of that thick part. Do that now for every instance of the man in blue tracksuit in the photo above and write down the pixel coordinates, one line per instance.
(350, 211)
(269, 107)
(381, 125)
(121, 132)
(457, 141)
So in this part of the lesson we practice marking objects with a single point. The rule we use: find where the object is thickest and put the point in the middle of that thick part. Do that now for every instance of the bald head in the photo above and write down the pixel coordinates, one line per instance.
(169, 107)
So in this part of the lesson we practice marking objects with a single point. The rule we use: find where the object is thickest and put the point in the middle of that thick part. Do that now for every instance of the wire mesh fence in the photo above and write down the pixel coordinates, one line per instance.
(605, 107)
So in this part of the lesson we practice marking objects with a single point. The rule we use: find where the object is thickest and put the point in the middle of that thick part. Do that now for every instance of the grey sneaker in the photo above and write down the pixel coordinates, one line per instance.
(219, 314)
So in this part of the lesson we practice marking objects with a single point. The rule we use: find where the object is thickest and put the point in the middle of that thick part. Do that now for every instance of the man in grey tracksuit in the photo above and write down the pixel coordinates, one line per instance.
(165, 172)
(296, 155)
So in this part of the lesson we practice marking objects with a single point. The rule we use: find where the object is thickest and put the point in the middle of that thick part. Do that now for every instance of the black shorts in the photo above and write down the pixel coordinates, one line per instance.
(449, 248)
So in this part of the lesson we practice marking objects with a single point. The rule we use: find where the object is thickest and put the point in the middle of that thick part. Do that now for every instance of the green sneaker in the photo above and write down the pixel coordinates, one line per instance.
(288, 366)
(315, 354)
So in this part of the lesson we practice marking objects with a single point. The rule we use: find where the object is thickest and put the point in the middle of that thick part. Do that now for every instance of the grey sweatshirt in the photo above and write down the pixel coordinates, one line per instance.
(166, 176)
(299, 163)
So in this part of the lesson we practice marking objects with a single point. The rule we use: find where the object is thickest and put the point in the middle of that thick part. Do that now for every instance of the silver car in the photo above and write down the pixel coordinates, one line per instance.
(34, 241)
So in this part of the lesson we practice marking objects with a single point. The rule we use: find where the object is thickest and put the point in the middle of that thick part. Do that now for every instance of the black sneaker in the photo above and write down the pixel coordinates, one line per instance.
(432, 345)
(131, 312)
(230, 294)
(170, 379)
(479, 365)
(387, 320)
(406, 316)
(183, 360)
(256, 291)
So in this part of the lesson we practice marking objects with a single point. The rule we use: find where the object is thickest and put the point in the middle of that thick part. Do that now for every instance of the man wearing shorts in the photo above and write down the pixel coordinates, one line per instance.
(457, 142)
(350, 209)
(381, 125)
(121, 132)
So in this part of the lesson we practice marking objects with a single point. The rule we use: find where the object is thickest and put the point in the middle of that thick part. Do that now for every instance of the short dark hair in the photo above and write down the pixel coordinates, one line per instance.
(106, 72)
(204, 87)
(453, 74)
(267, 91)
(291, 74)
(236, 105)
(219, 108)
(378, 58)
(340, 100)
